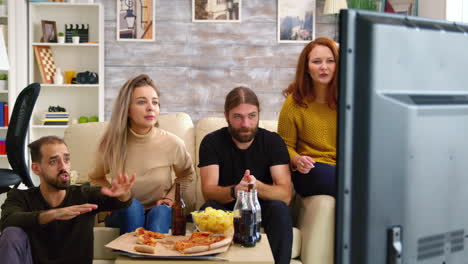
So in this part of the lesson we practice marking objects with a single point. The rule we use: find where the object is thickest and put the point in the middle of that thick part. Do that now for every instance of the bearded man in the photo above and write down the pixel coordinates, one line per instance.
(53, 223)
(233, 157)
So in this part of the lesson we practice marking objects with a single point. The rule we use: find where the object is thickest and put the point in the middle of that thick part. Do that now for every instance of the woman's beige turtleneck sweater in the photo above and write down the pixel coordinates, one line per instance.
(159, 159)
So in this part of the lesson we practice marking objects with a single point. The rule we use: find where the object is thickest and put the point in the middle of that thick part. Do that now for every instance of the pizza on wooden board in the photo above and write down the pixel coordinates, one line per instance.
(141, 231)
(147, 239)
(201, 241)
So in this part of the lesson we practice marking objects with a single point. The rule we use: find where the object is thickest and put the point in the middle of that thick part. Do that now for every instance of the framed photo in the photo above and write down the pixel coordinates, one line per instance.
(216, 10)
(296, 21)
(402, 7)
(49, 31)
(135, 20)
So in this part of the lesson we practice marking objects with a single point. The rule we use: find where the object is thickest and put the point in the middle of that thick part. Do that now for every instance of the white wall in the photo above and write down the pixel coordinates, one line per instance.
(432, 8)
(453, 10)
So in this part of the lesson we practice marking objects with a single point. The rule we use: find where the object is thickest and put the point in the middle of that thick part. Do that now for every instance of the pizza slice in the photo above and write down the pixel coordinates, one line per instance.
(146, 240)
(141, 231)
(201, 241)
(144, 249)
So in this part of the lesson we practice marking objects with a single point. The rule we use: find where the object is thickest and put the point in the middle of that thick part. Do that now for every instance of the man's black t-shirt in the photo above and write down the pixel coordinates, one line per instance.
(267, 149)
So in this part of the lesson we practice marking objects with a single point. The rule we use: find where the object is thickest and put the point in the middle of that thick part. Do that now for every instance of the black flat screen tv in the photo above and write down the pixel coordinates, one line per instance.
(402, 160)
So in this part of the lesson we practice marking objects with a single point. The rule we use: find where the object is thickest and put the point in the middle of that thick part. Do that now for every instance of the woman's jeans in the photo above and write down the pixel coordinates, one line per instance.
(157, 219)
(320, 180)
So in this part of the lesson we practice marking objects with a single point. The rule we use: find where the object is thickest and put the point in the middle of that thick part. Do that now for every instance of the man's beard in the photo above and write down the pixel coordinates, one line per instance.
(235, 133)
(57, 183)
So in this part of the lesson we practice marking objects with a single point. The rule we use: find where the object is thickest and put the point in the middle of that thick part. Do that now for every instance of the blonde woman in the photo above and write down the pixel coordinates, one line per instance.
(134, 144)
(307, 121)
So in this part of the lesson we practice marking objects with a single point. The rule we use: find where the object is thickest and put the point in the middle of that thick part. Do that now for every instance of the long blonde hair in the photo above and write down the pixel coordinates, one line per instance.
(113, 145)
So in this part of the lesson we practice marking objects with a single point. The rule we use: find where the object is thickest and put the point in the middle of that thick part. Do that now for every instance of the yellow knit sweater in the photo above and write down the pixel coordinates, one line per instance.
(309, 131)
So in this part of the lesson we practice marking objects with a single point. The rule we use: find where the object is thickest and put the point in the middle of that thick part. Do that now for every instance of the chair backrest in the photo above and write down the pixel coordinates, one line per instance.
(17, 130)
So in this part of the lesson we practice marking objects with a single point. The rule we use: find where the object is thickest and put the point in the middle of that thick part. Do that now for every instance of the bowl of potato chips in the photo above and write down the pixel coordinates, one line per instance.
(214, 220)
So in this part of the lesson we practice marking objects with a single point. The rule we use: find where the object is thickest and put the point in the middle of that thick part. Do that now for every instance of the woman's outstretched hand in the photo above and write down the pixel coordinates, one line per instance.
(121, 186)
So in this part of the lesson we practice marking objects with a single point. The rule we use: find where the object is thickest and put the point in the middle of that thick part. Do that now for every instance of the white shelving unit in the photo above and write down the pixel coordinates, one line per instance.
(78, 99)
(8, 94)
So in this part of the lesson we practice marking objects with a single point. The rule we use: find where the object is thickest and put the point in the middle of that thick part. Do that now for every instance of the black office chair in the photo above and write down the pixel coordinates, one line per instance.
(16, 140)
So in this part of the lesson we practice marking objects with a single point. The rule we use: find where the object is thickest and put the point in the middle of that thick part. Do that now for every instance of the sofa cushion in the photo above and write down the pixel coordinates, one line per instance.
(82, 140)
(316, 221)
(102, 236)
(296, 243)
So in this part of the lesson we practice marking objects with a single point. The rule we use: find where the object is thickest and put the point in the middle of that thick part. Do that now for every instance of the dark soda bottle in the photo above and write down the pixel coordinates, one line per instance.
(258, 213)
(178, 214)
(248, 221)
(237, 216)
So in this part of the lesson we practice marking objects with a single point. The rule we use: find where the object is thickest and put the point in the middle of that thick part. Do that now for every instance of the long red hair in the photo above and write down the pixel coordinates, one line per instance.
(303, 85)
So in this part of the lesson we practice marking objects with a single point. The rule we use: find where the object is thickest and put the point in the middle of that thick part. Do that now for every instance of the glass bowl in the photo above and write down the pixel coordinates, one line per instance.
(213, 220)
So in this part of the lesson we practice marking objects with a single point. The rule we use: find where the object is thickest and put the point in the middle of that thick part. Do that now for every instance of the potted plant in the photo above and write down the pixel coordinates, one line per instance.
(75, 37)
(3, 81)
(3, 9)
(61, 37)
(363, 4)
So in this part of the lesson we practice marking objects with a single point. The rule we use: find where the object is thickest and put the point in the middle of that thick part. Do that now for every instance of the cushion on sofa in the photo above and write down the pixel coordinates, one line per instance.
(102, 236)
(316, 221)
(82, 140)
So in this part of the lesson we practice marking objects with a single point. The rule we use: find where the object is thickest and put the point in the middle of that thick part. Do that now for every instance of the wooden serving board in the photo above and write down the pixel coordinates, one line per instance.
(164, 247)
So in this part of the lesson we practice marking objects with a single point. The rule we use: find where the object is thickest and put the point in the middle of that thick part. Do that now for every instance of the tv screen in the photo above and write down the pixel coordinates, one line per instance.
(402, 141)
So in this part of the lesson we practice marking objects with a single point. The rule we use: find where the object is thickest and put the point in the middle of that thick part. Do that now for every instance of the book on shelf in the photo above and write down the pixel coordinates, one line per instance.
(52, 115)
(55, 121)
(56, 113)
(49, 123)
(2, 114)
(56, 118)
(5, 115)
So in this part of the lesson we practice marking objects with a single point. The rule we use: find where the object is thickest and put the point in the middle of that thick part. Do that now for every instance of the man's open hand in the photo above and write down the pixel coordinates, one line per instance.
(65, 213)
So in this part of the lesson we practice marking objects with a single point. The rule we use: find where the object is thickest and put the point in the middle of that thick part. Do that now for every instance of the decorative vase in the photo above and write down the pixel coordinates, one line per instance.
(3, 85)
(58, 78)
(76, 39)
(3, 10)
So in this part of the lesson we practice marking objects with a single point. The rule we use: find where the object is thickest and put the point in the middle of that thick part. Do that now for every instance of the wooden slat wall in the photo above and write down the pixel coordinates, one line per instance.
(196, 64)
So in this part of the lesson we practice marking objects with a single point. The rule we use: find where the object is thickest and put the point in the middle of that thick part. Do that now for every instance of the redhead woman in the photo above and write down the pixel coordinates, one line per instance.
(134, 144)
(308, 118)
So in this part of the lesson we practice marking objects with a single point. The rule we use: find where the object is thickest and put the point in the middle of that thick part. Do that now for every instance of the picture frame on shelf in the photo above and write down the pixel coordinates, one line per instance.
(296, 21)
(216, 11)
(402, 7)
(49, 31)
(135, 20)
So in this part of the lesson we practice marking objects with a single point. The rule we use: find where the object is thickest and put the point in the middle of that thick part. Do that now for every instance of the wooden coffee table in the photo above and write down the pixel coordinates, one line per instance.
(260, 254)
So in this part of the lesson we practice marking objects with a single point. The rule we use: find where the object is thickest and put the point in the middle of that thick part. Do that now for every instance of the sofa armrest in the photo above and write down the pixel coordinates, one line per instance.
(316, 220)
(102, 236)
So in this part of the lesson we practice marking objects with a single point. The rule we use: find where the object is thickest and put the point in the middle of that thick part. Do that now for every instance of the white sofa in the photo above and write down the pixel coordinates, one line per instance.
(313, 235)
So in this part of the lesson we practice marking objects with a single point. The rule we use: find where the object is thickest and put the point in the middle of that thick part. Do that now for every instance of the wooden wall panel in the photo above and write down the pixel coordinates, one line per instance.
(196, 64)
